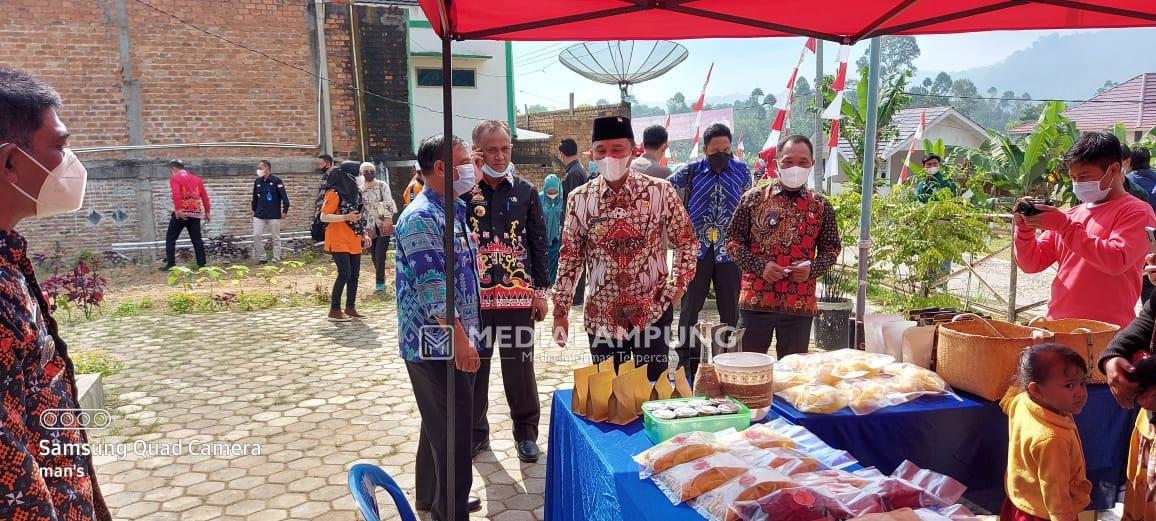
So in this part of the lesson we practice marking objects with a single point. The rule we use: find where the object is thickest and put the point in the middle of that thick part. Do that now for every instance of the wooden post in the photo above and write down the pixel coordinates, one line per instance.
(1012, 276)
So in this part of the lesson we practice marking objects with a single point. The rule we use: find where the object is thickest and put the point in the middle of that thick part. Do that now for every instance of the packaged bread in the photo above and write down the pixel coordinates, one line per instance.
(676, 451)
(798, 363)
(765, 437)
(903, 514)
(793, 504)
(785, 379)
(815, 398)
(837, 482)
(695, 478)
(752, 484)
(911, 379)
(792, 462)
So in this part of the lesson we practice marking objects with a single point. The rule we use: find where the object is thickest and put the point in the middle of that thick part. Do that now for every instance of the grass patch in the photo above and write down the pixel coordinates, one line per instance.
(96, 362)
(133, 308)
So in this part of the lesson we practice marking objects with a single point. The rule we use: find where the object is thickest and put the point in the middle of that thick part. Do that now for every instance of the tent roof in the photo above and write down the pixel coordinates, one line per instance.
(837, 20)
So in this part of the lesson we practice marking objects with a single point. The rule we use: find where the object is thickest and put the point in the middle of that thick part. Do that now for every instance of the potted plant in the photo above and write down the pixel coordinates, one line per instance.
(832, 324)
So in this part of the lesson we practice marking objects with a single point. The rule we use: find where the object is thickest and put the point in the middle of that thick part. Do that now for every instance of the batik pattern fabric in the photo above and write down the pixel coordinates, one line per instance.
(712, 201)
(507, 220)
(784, 227)
(620, 237)
(421, 278)
(39, 478)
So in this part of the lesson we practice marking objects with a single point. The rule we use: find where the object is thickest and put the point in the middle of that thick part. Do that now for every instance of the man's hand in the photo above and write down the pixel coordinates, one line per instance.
(538, 309)
(1052, 219)
(801, 272)
(466, 357)
(181, 215)
(207, 219)
(774, 273)
(561, 330)
(676, 299)
(351, 217)
(366, 241)
(284, 214)
(477, 159)
(1123, 389)
(1150, 267)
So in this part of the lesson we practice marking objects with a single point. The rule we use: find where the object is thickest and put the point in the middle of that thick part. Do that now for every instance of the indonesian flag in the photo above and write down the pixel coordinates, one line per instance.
(835, 110)
(833, 152)
(783, 104)
(911, 149)
(666, 125)
(739, 148)
(698, 105)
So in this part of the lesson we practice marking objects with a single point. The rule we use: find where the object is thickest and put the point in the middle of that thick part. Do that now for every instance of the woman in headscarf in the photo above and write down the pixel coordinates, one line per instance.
(379, 210)
(552, 207)
(344, 236)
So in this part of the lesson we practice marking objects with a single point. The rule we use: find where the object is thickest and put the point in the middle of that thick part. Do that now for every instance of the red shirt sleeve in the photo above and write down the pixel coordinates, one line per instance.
(175, 188)
(204, 195)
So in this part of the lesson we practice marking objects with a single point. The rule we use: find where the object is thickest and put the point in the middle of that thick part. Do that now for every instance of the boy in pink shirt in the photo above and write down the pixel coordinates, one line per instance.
(1100, 245)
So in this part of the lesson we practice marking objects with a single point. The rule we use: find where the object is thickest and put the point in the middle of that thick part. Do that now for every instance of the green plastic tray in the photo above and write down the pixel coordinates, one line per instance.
(661, 430)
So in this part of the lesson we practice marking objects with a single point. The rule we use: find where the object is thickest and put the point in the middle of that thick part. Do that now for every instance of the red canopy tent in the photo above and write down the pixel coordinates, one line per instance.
(843, 21)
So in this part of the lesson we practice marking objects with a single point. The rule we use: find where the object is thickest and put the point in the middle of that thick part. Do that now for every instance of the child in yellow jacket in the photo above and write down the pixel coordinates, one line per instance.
(1045, 475)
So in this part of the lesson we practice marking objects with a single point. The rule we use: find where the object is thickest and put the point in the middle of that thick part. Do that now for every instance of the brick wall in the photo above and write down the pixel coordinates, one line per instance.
(196, 88)
(576, 125)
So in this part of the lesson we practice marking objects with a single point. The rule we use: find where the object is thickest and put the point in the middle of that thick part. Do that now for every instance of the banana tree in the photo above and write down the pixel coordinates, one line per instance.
(853, 127)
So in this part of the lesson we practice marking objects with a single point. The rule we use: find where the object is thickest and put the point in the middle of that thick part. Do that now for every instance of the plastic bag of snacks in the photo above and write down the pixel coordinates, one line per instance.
(942, 487)
(695, 478)
(795, 504)
(761, 436)
(792, 461)
(815, 398)
(837, 482)
(864, 396)
(752, 484)
(676, 451)
(811, 444)
(952, 513)
(910, 379)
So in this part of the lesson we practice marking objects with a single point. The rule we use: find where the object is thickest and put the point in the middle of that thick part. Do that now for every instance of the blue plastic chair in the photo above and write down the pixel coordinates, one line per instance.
(364, 479)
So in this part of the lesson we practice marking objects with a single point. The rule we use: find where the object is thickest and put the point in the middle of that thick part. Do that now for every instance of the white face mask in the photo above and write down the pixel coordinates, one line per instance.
(360, 180)
(613, 168)
(63, 188)
(794, 177)
(260, 173)
(932, 170)
(494, 174)
(466, 179)
(1090, 191)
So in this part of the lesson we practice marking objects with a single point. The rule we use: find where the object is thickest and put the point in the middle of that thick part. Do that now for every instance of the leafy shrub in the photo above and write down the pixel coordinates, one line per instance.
(96, 362)
(255, 301)
(81, 287)
(181, 303)
(132, 308)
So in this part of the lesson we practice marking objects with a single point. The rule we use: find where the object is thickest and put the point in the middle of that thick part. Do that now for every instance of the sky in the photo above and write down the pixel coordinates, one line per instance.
(741, 65)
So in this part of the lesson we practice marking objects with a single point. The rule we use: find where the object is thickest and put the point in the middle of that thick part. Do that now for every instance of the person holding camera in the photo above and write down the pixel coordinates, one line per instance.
(1098, 245)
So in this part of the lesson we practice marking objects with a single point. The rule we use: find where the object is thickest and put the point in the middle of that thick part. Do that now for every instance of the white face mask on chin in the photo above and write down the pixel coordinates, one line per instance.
(613, 168)
(63, 188)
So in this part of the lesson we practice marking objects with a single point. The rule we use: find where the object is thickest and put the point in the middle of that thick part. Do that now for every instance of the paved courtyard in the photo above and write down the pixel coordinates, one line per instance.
(316, 396)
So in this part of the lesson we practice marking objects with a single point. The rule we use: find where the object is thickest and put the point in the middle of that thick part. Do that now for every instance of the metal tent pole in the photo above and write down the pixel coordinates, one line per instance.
(868, 158)
(448, 250)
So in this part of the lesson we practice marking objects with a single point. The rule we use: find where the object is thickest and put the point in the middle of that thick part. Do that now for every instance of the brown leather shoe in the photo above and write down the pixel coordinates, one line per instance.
(352, 313)
(335, 315)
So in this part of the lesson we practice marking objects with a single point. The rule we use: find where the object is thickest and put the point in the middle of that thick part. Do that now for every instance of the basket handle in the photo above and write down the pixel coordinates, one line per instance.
(972, 316)
(1034, 321)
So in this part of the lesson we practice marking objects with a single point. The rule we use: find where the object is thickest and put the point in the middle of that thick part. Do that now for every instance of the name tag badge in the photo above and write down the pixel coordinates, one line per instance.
(773, 219)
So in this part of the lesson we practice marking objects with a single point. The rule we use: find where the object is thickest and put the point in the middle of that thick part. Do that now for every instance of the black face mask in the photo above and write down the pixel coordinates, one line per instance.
(719, 160)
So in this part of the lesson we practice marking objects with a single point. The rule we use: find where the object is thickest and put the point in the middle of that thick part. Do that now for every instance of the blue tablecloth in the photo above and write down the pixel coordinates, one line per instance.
(591, 474)
(968, 440)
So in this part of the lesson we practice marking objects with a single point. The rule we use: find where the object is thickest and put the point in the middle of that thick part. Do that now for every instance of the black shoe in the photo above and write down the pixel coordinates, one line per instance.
(480, 447)
(473, 504)
(166, 267)
(262, 261)
(528, 451)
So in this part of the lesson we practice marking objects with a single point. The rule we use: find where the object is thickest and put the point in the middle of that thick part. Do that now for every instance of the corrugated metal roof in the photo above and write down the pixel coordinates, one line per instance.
(1132, 103)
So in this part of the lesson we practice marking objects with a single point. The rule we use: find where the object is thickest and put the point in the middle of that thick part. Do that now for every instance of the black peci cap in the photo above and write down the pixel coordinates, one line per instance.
(568, 147)
(612, 127)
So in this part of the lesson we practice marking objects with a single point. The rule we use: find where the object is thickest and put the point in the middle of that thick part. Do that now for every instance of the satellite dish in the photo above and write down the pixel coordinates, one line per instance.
(623, 63)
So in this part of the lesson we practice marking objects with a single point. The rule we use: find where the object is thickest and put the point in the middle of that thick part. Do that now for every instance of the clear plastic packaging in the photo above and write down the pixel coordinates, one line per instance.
(752, 484)
(815, 398)
(824, 383)
(676, 451)
(695, 478)
(762, 436)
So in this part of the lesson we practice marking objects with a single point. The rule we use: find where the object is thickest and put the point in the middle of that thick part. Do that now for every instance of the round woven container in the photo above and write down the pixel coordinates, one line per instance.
(981, 356)
(747, 377)
(1087, 337)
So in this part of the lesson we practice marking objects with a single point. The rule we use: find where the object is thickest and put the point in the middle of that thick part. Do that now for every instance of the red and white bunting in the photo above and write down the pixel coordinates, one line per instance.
(739, 148)
(833, 152)
(783, 104)
(697, 108)
(911, 148)
(835, 110)
(666, 124)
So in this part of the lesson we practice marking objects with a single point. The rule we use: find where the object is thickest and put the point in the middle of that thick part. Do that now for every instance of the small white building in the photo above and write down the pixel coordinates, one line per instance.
(943, 123)
(482, 76)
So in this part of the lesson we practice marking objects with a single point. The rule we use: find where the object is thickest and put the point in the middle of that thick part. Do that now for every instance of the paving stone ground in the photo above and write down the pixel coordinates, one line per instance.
(316, 396)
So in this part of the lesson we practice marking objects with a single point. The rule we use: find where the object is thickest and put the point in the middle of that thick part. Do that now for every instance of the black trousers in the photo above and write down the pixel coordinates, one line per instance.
(793, 332)
(434, 456)
(726, 278)
(380, 247)
(348, 271)
(649, 345)
(1146, 290)
(580, 288)
(511, 334)
(176, 225)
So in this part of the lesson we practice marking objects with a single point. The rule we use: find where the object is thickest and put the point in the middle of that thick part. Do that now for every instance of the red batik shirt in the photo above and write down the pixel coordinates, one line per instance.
(36, 375)
(620, 237)
(774, 225)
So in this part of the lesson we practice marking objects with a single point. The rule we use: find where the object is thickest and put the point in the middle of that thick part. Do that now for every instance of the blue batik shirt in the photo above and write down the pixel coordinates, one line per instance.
(712, 201)
(421, 277)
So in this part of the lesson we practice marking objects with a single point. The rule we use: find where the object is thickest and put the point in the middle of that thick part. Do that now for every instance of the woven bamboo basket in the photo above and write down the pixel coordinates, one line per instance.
(1087, 337)
(981, 356)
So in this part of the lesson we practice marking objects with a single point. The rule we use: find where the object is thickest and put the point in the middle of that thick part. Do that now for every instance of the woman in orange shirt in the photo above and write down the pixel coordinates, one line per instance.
(344, 236)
